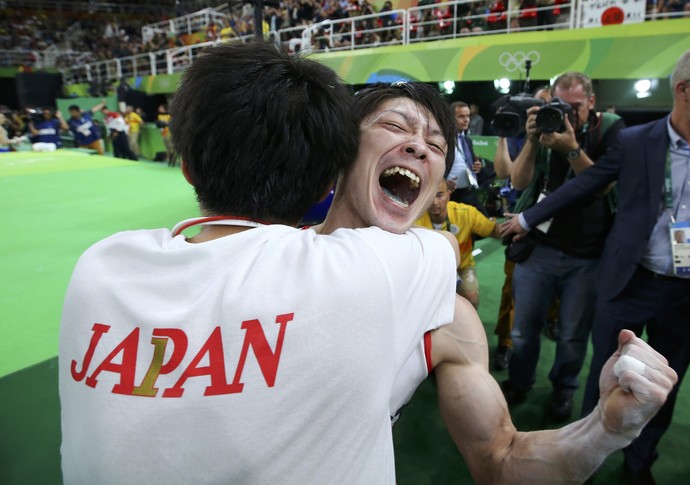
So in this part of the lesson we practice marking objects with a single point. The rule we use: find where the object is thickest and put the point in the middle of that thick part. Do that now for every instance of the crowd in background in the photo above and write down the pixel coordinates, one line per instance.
(105, 35)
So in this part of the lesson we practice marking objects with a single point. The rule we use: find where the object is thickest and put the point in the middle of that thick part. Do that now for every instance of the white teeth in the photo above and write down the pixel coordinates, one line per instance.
(415, 180)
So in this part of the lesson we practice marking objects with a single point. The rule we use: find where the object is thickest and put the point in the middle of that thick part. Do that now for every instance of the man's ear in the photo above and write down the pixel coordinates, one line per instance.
(185, 172)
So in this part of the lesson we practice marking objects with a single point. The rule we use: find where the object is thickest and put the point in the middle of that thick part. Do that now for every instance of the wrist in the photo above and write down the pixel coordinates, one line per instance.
(574, 153)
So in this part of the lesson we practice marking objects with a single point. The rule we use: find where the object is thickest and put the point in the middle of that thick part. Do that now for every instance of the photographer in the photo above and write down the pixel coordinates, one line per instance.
(563, 138)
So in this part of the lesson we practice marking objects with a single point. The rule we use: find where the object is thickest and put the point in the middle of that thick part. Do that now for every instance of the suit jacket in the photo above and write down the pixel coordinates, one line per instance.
(637, 161)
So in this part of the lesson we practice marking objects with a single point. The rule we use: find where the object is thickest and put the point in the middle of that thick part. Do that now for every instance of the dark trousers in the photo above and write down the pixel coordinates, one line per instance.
(661, 306)
(121, 147)
(468, 196)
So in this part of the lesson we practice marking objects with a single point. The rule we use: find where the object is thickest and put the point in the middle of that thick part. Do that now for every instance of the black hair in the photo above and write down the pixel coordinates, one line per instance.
(263, 135)
(73, 107)
(370, 98)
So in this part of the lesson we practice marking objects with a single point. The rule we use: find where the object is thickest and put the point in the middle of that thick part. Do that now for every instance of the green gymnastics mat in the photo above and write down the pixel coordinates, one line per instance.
(55, 205)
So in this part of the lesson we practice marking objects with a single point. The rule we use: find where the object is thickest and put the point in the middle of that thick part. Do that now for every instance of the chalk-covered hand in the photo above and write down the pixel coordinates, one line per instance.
(634, 384)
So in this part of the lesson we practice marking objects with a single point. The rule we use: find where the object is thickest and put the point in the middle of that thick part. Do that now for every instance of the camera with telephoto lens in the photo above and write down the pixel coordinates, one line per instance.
(511, 114)
(551, 116)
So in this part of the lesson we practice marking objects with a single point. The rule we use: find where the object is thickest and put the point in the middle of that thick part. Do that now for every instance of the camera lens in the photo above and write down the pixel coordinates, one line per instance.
(507, 124)
(549, 119)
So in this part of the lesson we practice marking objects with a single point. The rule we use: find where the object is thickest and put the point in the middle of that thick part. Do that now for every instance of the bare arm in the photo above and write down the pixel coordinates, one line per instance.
(63, 124)
(478, 420)
(98, 107)
(503, 164)
(523, 166)
(32, 129)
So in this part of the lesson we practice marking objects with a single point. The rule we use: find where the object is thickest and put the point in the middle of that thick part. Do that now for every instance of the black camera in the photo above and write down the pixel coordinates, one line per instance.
(34, 115)
(511, 114)
(551, 116)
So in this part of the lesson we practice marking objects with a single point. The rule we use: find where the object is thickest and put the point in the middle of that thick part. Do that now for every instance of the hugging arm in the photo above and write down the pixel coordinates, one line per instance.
(478, 420)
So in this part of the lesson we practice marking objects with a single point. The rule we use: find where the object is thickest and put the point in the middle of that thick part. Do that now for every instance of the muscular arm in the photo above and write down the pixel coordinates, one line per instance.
(478, 420)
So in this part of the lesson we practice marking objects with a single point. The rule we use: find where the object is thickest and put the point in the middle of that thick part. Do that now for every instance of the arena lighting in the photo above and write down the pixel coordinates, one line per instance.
(502, 85)
(643, 88)
(447, 87)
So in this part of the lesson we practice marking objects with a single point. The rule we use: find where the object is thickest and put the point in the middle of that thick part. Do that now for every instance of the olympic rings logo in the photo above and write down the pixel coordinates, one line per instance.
(516, 61)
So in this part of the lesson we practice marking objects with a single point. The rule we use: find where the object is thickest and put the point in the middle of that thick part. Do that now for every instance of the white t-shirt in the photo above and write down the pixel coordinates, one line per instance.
(267, 356)
(117, 123)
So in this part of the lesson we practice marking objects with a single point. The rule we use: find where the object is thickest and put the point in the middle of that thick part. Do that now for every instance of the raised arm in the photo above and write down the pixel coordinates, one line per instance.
(523, 167)
(63, 124)
(98, 107)
(478, 420)
(503, 164)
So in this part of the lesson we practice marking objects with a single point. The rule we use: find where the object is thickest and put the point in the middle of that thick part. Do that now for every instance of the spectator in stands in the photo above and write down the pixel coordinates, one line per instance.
(474, 18)
(134, 122)
(497, 17)
(118, 129)
(46, 132)
(528, 14)
(462, 221)
(86, 133)
(545, 14)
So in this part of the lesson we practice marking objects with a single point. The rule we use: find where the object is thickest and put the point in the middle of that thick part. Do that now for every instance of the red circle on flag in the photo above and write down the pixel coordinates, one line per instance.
(612, 15)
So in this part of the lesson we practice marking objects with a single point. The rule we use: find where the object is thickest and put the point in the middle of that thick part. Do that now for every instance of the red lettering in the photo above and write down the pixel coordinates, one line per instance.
(267, 359)
(98, 330)
(215, 369)
(127, 369)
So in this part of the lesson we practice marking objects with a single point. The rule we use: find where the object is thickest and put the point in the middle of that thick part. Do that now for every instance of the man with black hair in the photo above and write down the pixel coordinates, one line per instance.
(402, 124)
(251, 351)
(86, 133)
(45, 134)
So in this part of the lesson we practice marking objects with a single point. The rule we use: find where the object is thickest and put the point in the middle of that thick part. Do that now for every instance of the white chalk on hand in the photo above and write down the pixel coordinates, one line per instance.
(627, 362)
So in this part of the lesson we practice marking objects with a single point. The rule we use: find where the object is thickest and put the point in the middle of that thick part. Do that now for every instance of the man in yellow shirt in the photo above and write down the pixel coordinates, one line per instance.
(134, 122)
(463, 221)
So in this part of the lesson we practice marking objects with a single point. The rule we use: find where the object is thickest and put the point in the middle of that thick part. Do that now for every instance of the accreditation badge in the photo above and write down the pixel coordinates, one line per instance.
(680, 247)
(544, 226)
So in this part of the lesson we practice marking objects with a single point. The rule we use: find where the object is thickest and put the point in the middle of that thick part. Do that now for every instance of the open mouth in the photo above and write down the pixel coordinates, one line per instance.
(400, 185)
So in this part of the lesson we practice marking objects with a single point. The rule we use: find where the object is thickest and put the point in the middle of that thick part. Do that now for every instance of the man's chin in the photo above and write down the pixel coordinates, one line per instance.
(392, 223)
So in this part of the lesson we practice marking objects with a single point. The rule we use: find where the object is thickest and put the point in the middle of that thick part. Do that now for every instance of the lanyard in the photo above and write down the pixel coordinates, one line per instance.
(668, 186)
(215, 220)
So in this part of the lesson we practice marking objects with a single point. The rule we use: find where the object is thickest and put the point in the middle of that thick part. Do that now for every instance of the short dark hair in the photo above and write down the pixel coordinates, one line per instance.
(263, 135)
(73, 107)
(370, 98)
(458, 104)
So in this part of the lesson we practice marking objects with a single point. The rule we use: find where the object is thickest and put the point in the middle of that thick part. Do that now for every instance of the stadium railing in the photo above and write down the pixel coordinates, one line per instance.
(417, 24)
